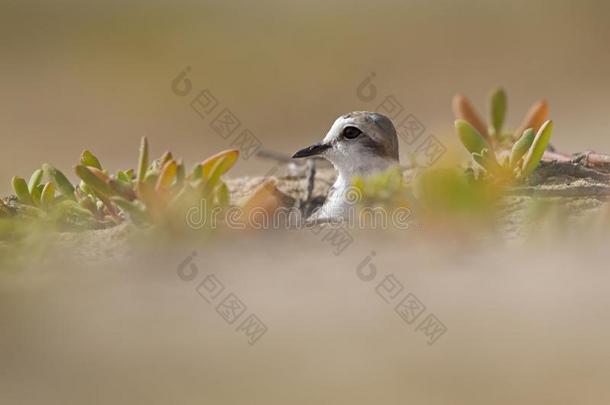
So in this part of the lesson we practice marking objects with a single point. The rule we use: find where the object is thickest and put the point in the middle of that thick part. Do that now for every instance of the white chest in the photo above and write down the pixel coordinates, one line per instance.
(342, 197)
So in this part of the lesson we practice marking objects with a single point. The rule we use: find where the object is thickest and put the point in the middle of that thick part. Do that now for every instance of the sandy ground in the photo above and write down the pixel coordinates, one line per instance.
(521, 327)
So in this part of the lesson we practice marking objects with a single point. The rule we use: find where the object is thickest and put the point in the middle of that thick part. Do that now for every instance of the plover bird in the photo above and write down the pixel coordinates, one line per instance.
(359, 143)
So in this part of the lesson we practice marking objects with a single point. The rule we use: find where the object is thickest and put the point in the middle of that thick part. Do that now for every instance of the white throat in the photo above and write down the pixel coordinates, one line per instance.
(365, 166)
(337, 205)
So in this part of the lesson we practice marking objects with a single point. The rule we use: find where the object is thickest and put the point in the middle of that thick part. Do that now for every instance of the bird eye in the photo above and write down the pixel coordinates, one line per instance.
(351, 132)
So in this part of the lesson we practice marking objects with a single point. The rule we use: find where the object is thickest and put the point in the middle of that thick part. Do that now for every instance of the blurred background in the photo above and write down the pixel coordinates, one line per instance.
(89, 325)
(98, 75)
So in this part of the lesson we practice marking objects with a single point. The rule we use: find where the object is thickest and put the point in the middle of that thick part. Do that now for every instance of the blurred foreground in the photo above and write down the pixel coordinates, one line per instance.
(521, 324)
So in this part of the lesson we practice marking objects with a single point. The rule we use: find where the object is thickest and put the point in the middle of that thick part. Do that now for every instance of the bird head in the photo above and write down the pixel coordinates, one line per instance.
(357, 142)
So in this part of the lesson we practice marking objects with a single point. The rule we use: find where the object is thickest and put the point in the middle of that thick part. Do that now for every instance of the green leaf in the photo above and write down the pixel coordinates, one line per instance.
(124, 177)
(537, 149)
(197, 173)
(476, 144)
(470, 137)
(166, 157)
(220, 166)
(223, 195)
(180, 173)
(228, 159)
(89, 159)
(521, 147)
(21, 190)
(93, 181)
(167, 176)
(143, 160)
(497, 110)
(36, 193)
(60, 180)
(463, 109)
(147, 194)
(151, 177)
(47, 196)
(35, 179)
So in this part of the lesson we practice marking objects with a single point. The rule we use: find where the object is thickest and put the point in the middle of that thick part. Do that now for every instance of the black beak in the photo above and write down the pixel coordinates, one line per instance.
(312, 150)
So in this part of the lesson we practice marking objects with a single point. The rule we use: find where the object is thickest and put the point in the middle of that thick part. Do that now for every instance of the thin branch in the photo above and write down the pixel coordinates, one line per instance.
(311, 179)
(553, 156)
(282, 157)
(592, 159)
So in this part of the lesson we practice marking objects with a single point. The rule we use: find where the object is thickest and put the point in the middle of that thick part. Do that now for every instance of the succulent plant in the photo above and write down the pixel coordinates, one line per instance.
(525, 154)
(155, 194)
(487, 144)
(495, 133)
